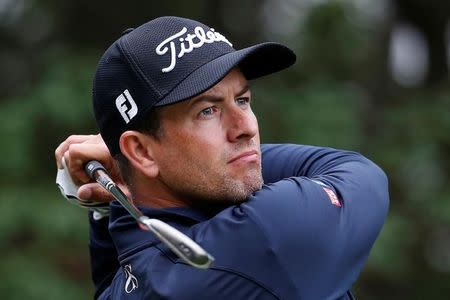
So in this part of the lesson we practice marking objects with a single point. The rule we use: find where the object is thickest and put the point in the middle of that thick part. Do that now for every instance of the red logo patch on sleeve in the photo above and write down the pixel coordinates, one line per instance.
(333, 198)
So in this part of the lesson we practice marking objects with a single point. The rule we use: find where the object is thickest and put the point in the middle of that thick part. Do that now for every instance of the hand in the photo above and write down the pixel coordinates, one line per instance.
(77, 150)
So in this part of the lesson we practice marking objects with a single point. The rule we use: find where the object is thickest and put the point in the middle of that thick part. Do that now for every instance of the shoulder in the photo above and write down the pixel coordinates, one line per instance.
(162, 278)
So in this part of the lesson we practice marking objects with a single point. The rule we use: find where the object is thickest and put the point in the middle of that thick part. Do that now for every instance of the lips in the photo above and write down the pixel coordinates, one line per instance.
(248, 155)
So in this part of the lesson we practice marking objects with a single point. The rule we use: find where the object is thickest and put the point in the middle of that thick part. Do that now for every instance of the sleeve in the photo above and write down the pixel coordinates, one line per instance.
(281, 161)
(104, 263)
(321, 209)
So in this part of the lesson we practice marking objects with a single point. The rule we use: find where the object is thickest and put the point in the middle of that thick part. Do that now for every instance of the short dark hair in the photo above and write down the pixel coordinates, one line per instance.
(151, 125)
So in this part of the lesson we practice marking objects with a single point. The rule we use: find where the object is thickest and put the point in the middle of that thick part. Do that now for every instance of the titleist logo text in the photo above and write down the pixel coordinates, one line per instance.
(187, 43)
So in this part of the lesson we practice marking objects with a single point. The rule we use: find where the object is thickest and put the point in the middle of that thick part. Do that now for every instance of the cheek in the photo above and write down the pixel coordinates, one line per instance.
(207, 151)
(202, 150)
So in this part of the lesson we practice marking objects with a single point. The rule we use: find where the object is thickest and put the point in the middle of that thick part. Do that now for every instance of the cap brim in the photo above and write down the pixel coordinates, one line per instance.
(255, 61)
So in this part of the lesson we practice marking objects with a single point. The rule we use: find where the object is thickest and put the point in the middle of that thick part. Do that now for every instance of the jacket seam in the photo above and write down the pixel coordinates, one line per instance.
(215, 268)
(246, 277)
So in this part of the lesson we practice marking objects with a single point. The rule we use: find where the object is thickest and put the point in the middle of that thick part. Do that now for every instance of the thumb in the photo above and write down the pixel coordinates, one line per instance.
(94, 192)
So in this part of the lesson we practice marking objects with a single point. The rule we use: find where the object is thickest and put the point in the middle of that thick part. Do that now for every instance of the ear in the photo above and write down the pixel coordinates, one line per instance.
(136, 147)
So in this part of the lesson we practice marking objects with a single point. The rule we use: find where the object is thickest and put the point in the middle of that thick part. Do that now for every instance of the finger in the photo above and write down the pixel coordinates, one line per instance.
(94, 139)
(79, 154)
(64, 146)
(100, 152)
(94, 192)
(75, 168)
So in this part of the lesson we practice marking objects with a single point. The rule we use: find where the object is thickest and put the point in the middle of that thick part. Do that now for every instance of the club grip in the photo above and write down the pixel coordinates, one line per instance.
(93, 166)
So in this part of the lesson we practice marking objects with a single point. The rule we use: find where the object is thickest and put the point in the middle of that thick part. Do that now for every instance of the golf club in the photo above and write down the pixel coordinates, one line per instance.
(178, 242)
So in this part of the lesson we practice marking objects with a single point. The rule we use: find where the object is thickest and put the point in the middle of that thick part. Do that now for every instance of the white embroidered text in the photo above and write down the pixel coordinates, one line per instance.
(187, 43)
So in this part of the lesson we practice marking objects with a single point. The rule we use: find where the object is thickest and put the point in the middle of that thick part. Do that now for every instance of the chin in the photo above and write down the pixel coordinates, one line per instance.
(227, 190)
(241, 192)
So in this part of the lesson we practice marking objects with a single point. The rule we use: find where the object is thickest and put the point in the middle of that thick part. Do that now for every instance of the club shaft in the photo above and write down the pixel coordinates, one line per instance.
(104, 180)
(178, 242)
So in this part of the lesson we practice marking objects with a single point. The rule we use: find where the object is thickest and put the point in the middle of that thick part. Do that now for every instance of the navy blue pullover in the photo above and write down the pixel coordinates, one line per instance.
(305, 235)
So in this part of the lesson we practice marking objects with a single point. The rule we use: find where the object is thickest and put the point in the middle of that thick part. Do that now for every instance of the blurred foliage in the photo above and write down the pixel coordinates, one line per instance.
(44, 243)
(339, 94)
(51, 108)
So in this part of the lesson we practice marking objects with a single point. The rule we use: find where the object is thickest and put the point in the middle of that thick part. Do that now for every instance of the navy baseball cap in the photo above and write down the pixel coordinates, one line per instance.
(166, 60)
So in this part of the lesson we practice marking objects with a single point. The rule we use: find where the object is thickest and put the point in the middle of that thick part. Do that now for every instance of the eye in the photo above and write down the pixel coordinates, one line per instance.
(208, 112)
(243, 101)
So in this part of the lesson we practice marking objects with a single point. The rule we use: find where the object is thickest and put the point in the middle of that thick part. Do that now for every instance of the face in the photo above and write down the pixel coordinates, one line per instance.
(210, 149)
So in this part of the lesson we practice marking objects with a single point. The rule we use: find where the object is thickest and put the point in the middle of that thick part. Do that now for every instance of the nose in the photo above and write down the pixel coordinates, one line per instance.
(241, 125)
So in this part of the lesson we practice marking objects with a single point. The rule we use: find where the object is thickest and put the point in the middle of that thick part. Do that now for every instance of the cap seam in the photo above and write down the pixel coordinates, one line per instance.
(135, 66)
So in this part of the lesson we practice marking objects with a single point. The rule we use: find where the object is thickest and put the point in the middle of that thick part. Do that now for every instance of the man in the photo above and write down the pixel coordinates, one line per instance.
(173, 105)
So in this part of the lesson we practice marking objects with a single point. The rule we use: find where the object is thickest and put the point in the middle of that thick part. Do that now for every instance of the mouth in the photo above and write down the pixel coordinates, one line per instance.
(245, 157)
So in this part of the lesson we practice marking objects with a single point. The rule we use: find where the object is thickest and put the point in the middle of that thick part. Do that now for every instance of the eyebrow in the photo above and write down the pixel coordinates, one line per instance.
(214, 98)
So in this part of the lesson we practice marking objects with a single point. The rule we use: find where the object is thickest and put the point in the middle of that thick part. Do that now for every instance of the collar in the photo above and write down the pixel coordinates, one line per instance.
(129, 238)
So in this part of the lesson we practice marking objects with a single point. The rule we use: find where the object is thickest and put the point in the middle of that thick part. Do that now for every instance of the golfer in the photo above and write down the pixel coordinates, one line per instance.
(174, 109)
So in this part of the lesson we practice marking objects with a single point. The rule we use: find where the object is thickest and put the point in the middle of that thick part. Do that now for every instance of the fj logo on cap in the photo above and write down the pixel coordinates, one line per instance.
(126, 106)
(187, 43)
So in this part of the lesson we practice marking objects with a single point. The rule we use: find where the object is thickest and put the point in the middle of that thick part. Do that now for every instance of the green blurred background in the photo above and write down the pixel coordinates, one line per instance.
(372, 76)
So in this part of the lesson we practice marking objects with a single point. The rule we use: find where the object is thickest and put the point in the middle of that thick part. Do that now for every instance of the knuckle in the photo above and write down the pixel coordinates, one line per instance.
(57, 153)
(72, 149)
(71, 138)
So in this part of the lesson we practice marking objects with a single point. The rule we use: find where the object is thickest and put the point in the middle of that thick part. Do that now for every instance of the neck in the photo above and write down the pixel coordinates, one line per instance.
(144, 199)
(151, 193)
